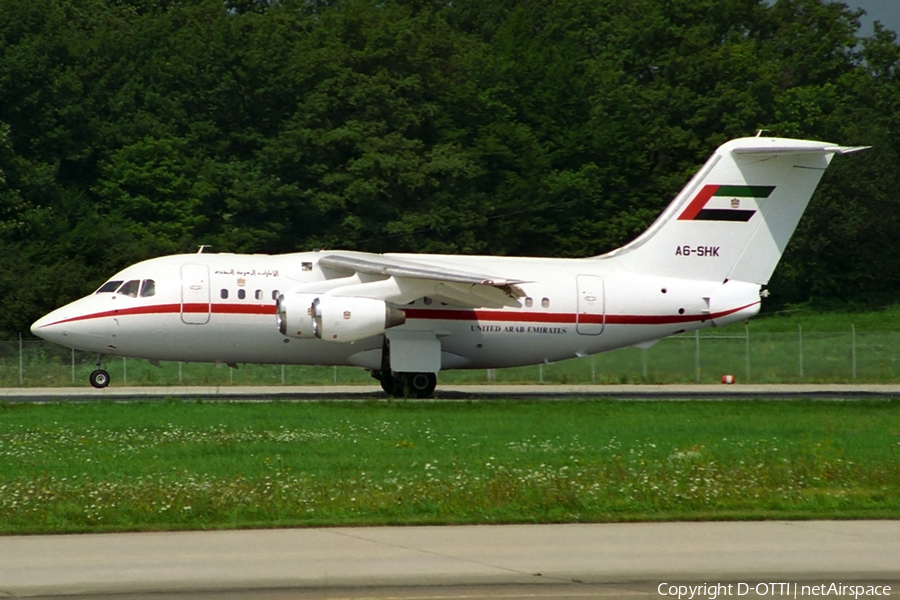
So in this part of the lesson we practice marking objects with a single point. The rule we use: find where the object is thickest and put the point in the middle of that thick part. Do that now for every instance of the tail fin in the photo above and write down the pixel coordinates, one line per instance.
(735, 217)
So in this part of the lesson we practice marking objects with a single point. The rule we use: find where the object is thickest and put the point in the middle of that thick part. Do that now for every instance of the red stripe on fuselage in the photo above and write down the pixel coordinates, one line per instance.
(564, 318)
(439, 314)
(235, 308)
(120, 312)
(436, 314)
(164, 309)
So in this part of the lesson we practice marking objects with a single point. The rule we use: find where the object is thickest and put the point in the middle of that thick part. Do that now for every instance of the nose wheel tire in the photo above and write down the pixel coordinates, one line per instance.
(99, 379)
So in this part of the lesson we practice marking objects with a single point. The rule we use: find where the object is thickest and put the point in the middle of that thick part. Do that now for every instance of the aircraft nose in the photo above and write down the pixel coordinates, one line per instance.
(79, 324)
(48, 328)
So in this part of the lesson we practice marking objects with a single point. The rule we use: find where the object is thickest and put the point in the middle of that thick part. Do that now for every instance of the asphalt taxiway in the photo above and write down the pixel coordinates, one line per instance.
(508, 561)
(456, 392)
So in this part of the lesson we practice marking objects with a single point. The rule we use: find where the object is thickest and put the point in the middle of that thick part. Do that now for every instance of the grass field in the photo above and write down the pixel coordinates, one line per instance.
(191, 465)
(788, 347)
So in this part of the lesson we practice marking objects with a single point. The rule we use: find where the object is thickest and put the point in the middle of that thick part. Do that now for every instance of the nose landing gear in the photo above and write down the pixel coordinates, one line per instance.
(99, 378)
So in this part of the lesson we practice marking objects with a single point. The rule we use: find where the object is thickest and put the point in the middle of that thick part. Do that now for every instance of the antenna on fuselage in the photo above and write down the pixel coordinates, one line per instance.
(203, 247)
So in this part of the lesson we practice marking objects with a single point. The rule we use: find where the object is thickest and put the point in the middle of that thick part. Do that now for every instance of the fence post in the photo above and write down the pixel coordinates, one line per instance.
(853, 349)
(180, 375)
(21, 362)
(697, 354)
(124, 370)
(490, 374)
(541, 372)
(800, 346)
(747, 349)
(644, 362)
(282, 374)
(593, 369)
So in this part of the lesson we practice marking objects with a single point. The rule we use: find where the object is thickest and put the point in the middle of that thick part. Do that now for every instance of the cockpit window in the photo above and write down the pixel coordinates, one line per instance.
(109, 287)
(130, 288)
(148, 288)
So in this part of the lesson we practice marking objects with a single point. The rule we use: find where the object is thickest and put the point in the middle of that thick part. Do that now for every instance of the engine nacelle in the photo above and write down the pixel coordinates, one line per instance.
(347, 319)
(294, 315)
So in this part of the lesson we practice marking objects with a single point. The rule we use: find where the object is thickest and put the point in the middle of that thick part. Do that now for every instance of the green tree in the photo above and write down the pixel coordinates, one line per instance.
(140, 127)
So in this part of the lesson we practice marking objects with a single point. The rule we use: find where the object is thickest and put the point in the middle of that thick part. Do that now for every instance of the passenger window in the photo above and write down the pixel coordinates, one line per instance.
(242, 293)
(109, 287)
(426, 300)
(224, 294)
(529, 302)
(130, 288)
(148, 288)
(545, 302)
(274, 294)
(258, 295)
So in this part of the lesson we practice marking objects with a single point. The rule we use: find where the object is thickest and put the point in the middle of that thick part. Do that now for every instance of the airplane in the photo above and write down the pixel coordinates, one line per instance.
(704, 262)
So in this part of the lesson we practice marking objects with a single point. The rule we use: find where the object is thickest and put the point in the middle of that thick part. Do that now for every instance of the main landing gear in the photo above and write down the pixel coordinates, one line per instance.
(99, 378)
(406, 385)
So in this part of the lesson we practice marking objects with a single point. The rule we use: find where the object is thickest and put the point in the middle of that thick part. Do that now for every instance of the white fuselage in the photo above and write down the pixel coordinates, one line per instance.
(221, 308)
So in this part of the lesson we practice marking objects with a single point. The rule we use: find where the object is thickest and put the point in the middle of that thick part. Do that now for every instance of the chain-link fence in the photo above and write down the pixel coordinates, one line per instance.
(758, 357)
(704, 357)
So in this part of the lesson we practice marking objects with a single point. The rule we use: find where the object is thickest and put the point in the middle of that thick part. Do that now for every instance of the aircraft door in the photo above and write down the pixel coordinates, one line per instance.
(195, 306)
(591, 305)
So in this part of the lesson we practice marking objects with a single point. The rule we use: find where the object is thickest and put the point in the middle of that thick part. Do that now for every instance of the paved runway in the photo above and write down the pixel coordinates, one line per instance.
(458, 392)
(515, 561)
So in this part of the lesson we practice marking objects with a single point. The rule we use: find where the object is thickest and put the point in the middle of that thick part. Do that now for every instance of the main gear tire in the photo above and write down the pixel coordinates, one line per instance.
(417, 385)
(389, 384)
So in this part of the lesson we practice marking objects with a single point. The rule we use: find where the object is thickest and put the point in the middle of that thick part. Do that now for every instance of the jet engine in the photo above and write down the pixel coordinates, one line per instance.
(348, 319)
(294, 315)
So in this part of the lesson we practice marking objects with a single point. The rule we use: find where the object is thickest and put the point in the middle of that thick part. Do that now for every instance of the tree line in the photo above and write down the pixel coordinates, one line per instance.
(135, 128)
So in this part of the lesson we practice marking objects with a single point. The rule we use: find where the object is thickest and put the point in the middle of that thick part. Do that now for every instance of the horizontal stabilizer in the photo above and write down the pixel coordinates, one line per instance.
(795, 147)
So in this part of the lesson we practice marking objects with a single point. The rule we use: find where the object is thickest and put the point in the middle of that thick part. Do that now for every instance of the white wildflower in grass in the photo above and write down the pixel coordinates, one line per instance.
(171, 470)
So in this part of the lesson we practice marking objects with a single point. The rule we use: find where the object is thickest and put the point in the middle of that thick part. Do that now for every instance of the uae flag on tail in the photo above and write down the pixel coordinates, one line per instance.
(723, 202)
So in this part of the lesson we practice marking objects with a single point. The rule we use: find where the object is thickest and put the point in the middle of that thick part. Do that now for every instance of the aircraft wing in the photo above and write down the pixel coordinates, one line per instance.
(377, 264)
(402, 281)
